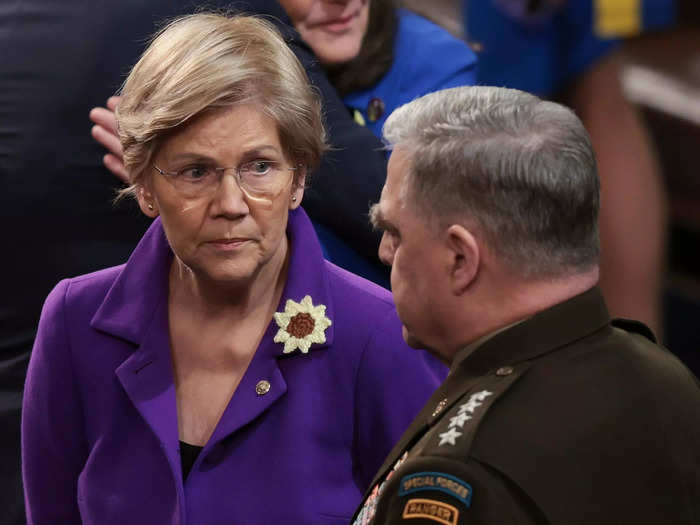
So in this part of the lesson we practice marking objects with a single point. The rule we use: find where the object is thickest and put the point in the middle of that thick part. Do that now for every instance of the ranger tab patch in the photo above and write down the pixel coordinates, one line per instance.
(432, 510)
(426, 481)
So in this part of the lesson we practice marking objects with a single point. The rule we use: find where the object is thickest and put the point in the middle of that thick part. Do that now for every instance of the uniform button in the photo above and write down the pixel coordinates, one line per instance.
(504, 371)
(262, 388)
(375, 109)
(440, 407)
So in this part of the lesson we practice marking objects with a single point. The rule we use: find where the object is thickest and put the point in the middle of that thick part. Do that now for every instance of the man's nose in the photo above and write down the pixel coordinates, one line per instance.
(386, 251)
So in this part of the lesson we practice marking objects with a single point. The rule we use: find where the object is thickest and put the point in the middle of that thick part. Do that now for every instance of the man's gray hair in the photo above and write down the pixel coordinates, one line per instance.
(519, 170)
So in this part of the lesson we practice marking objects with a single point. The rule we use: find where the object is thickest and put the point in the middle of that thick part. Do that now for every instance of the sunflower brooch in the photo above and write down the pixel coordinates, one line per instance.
(301, 324)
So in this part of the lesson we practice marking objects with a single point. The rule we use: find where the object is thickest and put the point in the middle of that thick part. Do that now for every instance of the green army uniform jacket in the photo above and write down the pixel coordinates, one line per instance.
(565, 418)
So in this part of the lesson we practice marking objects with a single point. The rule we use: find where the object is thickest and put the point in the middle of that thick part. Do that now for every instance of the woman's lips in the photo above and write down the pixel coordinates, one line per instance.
(227, 244)
(337, 25)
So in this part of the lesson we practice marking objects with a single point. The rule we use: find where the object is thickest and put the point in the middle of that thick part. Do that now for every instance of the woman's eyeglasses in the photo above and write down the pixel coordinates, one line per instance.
(260, 180)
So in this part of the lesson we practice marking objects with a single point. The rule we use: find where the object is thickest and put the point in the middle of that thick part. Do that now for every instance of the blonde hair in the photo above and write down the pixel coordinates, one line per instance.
(209, 61)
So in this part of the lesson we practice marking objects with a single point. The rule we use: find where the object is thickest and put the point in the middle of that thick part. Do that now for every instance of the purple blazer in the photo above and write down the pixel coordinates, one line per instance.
(99, 427)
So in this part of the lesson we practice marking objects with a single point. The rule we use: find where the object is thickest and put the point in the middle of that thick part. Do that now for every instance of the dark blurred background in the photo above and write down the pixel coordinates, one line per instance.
(662, 76)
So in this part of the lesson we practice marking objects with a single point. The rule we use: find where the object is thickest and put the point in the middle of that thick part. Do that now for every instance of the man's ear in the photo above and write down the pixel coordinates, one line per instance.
(147, 202)
(464, 257)
(298, 187)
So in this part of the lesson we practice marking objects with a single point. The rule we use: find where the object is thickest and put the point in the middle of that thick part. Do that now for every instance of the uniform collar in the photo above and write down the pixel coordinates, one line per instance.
(544, 332)
(128, 308)
(510, 348)
(462, 354)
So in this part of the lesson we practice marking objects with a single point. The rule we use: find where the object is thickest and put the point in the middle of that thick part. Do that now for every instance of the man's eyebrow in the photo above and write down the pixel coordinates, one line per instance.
(376, 217)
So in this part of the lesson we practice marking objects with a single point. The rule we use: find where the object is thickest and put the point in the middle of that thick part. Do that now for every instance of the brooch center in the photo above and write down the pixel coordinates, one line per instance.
(301, 325)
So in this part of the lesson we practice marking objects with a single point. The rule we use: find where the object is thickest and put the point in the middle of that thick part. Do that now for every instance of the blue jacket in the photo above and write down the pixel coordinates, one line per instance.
(426, 58)
(543, 52)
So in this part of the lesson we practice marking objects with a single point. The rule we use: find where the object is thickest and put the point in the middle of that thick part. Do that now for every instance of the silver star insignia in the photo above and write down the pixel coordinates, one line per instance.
(449, 437)
(480, 396)
(459, 420)
(469, 406)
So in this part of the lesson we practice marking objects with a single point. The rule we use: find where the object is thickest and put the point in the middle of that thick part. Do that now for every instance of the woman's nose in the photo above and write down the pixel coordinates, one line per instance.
(229, 199)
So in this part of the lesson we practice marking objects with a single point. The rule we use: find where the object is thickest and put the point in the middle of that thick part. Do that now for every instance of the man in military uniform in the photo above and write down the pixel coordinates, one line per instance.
(551, 413)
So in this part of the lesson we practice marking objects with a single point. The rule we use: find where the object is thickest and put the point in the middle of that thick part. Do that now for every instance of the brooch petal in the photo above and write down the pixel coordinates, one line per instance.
(301, 324)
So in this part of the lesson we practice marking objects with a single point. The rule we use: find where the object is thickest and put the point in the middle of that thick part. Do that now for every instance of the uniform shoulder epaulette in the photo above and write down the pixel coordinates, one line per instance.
(630, 325)
(456, 427)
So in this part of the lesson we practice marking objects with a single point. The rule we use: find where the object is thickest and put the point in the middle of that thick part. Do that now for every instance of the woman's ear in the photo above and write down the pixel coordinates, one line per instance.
(298, 187)
(465, 257)
(147, 202)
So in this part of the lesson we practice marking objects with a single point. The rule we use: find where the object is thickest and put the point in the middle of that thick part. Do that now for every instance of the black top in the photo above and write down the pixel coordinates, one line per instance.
(188, 455)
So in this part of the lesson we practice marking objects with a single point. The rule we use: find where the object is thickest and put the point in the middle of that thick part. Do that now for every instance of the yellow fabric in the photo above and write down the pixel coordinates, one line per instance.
(617, 18)
(358, 117)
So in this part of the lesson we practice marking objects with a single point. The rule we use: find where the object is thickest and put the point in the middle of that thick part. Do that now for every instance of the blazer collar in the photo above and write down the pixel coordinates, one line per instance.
(128, 308)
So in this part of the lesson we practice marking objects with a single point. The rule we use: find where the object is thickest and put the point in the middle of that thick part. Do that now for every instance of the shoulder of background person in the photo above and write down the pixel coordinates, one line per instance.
(431, 55)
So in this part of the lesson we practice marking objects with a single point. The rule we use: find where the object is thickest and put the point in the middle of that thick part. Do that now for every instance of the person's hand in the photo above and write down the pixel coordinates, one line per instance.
(105, 132)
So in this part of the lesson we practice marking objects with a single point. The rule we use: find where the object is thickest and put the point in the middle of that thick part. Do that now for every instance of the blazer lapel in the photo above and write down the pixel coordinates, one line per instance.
(147, 379)
(306, 276)
(261, 387)
(136, 310)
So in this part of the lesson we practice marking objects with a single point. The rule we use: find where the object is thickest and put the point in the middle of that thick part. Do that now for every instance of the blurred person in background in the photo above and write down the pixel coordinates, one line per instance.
(226, 348)
(569, 50)
(378, 58)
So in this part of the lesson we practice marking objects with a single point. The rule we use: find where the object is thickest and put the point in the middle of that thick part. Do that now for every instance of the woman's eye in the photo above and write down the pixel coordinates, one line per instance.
(258, 167)
(193, 173)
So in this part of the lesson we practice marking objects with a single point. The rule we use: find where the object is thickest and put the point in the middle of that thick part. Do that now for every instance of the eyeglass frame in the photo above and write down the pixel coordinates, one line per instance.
(223, 170)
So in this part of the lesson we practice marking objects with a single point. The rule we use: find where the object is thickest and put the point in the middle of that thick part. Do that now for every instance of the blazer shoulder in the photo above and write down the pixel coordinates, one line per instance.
(84, 292)
(350, 287)
(366, 317)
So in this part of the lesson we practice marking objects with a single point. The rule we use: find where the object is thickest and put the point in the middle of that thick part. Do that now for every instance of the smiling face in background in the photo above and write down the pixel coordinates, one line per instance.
(223, 236)
(334, 29)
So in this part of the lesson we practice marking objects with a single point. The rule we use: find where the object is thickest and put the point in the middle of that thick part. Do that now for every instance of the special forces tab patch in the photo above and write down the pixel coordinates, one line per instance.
(426, 481)
(431, 509)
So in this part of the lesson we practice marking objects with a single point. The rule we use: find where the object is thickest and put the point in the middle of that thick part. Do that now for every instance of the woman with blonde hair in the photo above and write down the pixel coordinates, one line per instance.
(226, 373)
(377, 57)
